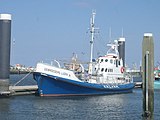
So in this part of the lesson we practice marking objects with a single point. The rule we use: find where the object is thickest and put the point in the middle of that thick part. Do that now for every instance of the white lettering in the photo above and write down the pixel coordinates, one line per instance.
(110, 86)
(51, 70)
(57, 72)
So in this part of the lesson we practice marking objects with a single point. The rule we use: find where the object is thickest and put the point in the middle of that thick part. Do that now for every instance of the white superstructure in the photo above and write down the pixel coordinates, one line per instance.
(109, 67)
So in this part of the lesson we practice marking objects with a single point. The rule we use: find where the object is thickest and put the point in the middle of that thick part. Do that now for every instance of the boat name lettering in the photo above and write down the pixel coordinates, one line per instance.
(51, 70)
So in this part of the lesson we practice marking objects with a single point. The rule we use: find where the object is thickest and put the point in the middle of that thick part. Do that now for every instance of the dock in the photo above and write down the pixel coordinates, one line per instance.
(23, 90)
(134, 73)
(138, 84)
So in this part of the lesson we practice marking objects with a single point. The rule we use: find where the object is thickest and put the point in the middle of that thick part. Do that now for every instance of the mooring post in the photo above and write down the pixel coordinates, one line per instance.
(148, 76)
(5, 37)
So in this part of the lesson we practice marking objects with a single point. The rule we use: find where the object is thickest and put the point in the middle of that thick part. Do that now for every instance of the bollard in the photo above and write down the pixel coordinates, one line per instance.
(148, 76)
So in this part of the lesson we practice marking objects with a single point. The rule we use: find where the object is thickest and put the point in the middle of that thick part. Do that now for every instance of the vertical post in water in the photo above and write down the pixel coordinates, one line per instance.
(5, 36)
(148, 76)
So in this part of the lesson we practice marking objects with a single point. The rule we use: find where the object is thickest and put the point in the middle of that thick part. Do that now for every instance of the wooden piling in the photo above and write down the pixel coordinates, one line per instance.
(148, 76)
(5, 40)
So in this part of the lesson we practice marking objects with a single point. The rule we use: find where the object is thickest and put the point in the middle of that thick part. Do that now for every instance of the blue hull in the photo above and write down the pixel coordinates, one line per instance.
(55, 86)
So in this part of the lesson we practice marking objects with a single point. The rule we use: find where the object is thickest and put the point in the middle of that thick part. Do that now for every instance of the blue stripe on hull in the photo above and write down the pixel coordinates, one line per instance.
(54, 86)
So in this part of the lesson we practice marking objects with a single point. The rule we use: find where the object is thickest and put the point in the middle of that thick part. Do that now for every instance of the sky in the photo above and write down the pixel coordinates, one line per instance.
(44, 30)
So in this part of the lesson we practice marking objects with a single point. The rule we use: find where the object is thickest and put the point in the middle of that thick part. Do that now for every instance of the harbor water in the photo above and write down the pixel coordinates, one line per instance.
(106, 107)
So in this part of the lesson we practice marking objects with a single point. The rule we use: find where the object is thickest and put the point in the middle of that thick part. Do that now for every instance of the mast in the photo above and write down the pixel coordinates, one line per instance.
(92, 31)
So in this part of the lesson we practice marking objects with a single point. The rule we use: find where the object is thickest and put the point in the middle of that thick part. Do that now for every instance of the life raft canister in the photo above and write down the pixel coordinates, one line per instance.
(122, 69)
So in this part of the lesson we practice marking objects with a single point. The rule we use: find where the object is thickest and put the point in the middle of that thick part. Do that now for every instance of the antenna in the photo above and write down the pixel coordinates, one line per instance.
(122, 32)
(110, 35)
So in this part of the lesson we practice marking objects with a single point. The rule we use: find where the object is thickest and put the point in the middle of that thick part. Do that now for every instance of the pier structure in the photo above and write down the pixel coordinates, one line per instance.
(5, 40)
(134, 73)
(23, 90)
(148, 76)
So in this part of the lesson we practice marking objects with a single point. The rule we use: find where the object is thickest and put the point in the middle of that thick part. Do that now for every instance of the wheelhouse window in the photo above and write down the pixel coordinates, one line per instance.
(106, 60)
(116, 63)
(111, 61)
(110, 70)
(119, 63)
(102, 69)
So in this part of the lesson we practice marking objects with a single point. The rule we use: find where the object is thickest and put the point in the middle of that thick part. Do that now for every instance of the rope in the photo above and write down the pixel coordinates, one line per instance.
(22, 79)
